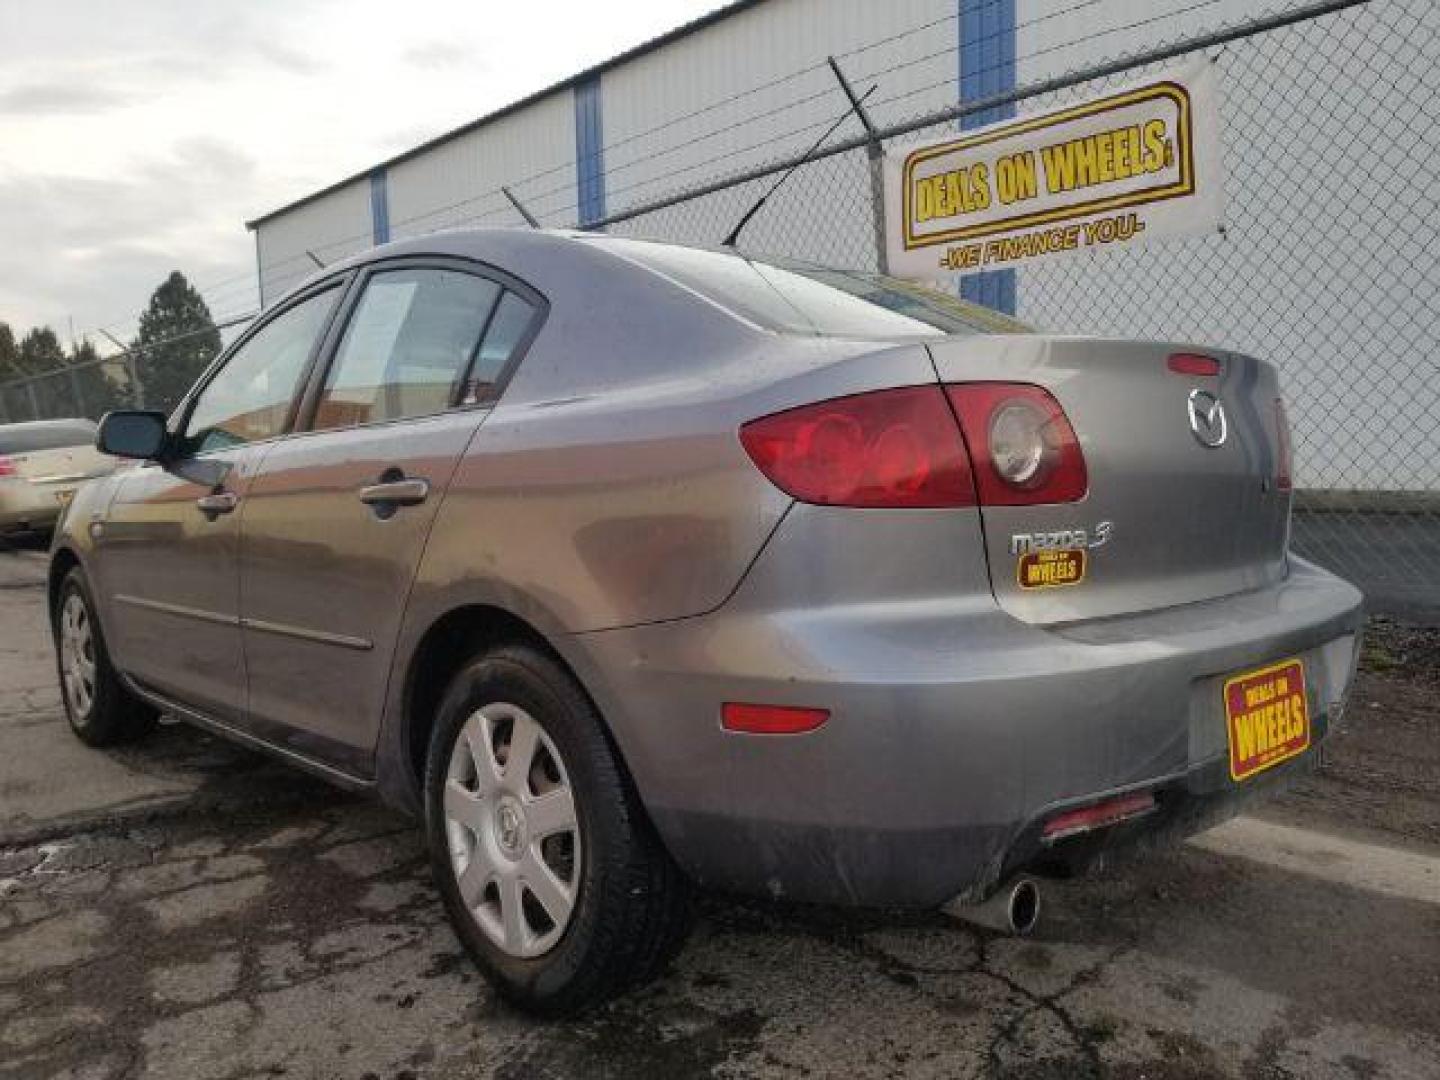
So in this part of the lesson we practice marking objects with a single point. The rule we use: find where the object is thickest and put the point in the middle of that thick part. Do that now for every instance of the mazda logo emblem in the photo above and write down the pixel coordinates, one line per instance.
(1207, 419)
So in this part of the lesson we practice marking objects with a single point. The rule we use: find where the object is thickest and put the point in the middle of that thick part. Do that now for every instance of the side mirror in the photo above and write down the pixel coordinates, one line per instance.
(132, 433)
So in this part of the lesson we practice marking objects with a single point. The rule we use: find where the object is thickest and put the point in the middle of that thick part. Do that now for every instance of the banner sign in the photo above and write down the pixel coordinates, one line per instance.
(1138, 164)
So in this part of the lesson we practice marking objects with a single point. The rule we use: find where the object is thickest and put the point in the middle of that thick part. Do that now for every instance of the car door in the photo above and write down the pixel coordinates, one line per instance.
(338, 514)
(167, 547)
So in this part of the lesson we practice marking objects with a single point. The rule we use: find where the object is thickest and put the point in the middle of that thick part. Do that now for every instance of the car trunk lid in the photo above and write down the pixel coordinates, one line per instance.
(1167, 518)
(60, 465)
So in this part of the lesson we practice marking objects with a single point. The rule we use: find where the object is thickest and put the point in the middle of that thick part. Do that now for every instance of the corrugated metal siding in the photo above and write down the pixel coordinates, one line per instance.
(340, 224)
(458, 183)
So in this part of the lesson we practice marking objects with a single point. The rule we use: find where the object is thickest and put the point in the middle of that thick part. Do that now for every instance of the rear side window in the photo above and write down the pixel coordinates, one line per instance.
(416, 337)
(507, 328)
(793, 297)
(28, 438)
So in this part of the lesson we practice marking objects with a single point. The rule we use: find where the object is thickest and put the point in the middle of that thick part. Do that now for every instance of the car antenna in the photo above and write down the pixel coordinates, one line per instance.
(320, 263)
(734, 237)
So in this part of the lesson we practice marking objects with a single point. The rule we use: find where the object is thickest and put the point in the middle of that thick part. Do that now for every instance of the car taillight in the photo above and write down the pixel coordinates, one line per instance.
(7, 467)
(1022, 448)
(1284, 454)
(888, 448)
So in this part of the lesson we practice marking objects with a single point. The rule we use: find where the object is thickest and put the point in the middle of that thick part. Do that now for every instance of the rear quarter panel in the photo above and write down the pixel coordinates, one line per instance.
(609, 486)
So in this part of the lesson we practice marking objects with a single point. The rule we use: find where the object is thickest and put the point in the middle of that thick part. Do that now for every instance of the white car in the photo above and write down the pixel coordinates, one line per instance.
(42, 462)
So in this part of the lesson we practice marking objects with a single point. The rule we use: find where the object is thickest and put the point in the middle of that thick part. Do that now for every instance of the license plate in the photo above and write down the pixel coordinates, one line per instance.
(1267, 717)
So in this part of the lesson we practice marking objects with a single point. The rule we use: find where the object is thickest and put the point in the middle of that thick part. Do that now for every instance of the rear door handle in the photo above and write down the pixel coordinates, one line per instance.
(396, 492)
(217, 503)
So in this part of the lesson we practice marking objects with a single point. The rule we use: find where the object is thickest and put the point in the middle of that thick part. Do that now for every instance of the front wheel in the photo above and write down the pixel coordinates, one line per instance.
(550, 871)
(101, 711)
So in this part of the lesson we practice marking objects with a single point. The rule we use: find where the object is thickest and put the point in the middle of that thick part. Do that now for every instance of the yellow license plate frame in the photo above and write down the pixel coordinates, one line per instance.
(1267, 717)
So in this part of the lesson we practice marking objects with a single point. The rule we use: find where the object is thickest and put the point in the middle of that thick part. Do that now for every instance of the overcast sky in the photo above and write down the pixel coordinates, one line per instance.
(138, 137)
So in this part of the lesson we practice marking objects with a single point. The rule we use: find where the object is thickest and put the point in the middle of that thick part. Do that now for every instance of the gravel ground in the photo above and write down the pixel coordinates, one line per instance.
(187, 909)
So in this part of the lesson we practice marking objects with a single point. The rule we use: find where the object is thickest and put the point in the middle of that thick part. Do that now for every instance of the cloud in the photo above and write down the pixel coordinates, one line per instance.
(107, 242)
(58, 98)
(438, 54)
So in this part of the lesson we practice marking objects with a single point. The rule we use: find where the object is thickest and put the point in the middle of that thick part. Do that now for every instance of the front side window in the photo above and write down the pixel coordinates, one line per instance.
(415, 334)
(250, 397)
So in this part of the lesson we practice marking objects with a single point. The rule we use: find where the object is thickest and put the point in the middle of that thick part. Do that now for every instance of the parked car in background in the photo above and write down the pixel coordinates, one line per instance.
(42, 462)
(628, 566)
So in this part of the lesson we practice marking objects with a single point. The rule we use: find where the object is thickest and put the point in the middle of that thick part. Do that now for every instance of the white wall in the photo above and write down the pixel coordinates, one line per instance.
(457, 183)
(761, 90)
(332, 226)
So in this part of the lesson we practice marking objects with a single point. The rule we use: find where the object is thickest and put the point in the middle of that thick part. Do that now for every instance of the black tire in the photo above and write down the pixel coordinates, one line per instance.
(113, 714)
(631, 909)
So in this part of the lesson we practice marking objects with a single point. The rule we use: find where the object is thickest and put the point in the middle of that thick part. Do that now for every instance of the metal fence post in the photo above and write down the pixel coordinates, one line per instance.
(137, 388)
(875, 153)
(77, 391)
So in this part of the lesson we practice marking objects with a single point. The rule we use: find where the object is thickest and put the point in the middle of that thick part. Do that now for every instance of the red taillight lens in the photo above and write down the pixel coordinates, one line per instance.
(1284, 454)
(770, 719)
(1022, 447)
(889, 448)
(1193, 364)
(7, 467)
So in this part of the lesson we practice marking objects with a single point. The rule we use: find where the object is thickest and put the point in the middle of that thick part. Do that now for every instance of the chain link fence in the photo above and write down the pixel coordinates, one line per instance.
(1326, 264)
(154, 376)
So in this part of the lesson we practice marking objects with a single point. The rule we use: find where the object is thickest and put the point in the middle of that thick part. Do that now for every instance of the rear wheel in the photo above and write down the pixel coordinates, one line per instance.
(550, 871)
(102, 712)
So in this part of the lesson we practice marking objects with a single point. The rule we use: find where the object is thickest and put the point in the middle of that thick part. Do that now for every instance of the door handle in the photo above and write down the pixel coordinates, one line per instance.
(396, 492)
(217, 503)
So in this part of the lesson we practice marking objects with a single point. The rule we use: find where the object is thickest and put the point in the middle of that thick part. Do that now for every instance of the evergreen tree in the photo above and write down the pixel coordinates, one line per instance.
(41, 351)
(40, 354)
(96, 381)
(9, 354)
(169, 367)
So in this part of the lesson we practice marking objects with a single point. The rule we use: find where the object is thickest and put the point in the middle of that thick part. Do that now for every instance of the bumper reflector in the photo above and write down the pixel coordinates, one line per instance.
(1100, 816)
(770, 719)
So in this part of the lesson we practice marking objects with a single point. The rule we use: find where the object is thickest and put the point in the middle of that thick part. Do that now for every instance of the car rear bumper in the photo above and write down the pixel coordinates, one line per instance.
(24, 505)
(956, 730)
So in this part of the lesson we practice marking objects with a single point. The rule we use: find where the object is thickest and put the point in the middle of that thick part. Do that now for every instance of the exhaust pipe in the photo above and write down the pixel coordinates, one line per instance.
(1013, 909)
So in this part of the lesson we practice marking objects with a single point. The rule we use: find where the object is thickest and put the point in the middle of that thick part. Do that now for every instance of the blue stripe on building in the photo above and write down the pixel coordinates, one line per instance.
(987, 67)
(589, 151)
(380, 206)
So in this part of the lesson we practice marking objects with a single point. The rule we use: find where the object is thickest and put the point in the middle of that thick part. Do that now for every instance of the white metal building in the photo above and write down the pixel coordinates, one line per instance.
(750, 83)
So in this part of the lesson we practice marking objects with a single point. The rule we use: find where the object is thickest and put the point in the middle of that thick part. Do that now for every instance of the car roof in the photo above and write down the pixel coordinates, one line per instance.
(41, 425)
(517, 249)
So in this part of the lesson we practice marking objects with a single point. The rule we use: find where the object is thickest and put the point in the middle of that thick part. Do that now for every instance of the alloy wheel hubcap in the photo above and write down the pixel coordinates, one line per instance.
(512, 830)
(77, 655)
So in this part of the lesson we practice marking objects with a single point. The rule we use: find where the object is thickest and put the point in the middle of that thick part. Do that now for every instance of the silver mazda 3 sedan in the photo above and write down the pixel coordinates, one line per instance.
(629, 567)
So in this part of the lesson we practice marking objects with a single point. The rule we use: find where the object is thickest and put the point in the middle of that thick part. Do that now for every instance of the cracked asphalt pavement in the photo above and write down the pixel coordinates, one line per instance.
(187, 909)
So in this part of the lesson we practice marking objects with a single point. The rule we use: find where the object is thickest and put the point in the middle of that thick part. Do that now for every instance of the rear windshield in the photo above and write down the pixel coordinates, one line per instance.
(27, 438)
(791, 296)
